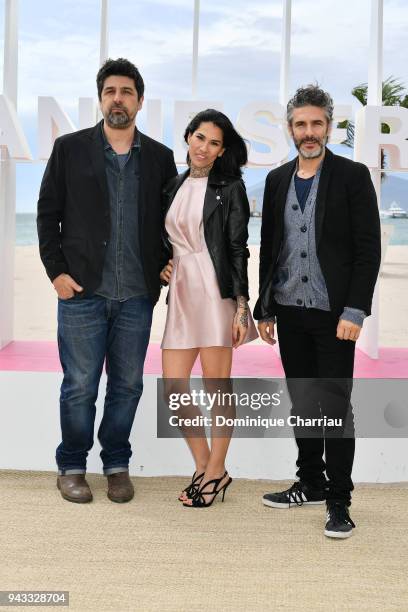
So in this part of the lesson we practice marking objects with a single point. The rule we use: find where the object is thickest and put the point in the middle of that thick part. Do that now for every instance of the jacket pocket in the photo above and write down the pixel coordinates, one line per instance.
(280, 277)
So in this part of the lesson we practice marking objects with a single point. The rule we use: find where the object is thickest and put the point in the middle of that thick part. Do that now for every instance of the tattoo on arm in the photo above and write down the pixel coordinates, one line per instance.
(242, 310)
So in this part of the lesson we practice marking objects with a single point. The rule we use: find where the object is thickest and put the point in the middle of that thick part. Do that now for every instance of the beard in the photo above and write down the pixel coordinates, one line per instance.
(117, 120)
(311, 154)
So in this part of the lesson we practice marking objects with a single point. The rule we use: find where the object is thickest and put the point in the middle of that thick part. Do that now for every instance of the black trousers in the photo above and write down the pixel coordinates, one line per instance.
(319, 369)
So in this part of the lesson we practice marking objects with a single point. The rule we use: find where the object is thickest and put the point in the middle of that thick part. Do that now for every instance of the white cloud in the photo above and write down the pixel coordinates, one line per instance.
(239, 46)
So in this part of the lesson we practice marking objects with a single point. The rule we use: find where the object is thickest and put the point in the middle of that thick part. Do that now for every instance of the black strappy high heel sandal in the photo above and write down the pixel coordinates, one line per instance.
(193, 487)
(198, 501)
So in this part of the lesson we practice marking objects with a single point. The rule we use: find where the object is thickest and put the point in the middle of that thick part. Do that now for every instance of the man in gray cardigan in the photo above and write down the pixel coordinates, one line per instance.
(319, 261)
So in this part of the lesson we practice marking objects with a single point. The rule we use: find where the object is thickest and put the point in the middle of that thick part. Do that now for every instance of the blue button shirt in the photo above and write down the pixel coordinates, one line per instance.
(123, 276)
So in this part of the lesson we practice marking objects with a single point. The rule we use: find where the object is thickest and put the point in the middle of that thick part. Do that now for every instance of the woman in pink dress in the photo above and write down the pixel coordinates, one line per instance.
(206, 214)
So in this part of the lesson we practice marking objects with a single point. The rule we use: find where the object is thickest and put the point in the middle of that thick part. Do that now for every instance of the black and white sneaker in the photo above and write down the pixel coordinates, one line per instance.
(298, 494)
(338, 521)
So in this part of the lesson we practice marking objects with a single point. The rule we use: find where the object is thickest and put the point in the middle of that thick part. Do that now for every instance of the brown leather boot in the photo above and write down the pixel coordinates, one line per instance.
(120, 488)
(74, 488)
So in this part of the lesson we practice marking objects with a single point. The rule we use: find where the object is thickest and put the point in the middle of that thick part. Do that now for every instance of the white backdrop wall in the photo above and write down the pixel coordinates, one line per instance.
(30, 432)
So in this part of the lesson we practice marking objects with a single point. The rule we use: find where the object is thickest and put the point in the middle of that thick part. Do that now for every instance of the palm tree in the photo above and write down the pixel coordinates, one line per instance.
(394, 93)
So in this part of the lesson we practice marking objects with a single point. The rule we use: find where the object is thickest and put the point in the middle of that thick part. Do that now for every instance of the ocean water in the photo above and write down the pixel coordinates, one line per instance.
(26, 230)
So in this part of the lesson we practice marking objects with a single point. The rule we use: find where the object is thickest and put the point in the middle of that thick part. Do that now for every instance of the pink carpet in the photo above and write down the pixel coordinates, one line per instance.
(249, 360)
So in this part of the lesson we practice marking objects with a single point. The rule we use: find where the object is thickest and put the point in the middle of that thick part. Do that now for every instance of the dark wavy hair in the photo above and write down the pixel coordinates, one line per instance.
(311, 95)
(235, 155)
(119, 67)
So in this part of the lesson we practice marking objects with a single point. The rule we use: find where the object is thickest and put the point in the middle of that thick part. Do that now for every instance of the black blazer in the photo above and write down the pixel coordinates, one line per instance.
(225, 219)
(73, 208)
(348, 237)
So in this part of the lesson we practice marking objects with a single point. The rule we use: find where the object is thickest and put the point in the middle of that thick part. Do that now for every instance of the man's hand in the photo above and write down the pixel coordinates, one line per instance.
(165, 274)
(65, 286)
(346, 330)
(266, 331)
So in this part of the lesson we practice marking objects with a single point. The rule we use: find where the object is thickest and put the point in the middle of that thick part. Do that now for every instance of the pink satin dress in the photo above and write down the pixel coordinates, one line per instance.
(197, 315)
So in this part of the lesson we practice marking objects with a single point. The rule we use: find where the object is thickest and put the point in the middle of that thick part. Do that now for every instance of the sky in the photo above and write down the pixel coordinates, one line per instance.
(239, 51)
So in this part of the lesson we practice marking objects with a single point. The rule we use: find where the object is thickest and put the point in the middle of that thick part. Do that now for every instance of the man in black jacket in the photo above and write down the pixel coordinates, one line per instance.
(319, 261)
(99, 224)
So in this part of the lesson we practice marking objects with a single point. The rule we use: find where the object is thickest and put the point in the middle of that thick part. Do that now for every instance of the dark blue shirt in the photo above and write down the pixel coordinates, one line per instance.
(302, 187)
(123, 276)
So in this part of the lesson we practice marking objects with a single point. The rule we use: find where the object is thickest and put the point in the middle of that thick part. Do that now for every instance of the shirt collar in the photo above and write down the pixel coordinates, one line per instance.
(136, 139)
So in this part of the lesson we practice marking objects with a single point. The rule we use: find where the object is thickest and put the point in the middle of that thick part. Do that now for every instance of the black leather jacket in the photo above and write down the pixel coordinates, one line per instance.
(225, 218)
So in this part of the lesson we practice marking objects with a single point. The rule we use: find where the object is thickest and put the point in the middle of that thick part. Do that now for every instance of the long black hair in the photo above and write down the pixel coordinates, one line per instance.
(235, 155)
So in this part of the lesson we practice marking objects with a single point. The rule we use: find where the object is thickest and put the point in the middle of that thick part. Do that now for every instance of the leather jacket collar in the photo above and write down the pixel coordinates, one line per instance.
(225, 202)
(215, 179)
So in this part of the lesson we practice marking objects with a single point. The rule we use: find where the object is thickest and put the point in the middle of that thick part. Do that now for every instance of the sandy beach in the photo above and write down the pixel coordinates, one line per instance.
(35, 298)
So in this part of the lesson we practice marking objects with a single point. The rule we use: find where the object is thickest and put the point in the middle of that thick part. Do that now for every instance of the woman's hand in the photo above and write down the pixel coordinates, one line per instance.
(165, 274)
(240, 323)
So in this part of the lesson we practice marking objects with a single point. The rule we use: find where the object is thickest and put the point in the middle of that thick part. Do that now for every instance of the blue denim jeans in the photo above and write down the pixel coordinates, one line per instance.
(91, 330)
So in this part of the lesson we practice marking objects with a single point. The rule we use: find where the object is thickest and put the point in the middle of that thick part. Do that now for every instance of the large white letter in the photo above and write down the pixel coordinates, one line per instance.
(369, 140)
(154, 119)
(87, 113)
(11, 133)
(270, 134)
(341, 113)
(52, 122)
